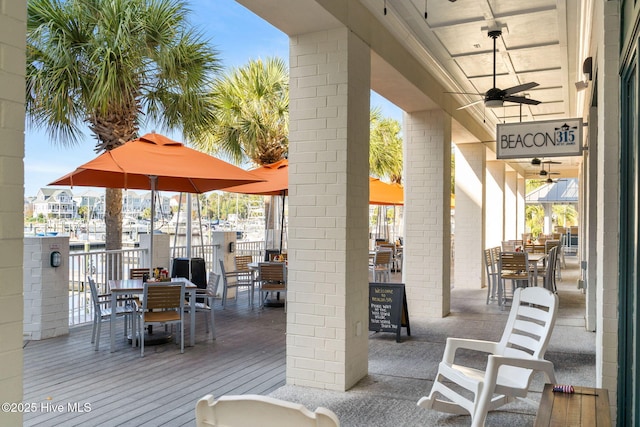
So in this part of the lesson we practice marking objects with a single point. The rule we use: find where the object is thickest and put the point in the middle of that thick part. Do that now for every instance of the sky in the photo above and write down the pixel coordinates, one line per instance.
(235, 32)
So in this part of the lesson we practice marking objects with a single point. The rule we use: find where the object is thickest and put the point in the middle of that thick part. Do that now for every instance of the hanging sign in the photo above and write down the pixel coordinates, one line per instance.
(550, 138)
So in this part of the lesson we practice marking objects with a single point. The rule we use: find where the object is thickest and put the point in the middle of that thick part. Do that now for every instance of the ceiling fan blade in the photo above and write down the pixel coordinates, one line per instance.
(466, 93)
(469, 105)
(520, 88)
(553, 162)
(521, 100)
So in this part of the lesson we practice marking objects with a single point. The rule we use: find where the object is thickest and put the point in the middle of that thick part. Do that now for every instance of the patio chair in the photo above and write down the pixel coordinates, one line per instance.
(549, 270)
(162, 303)
(491, 270)
(256, 410)
(204, 301)
(234, 280)
(102, 311)
(272, 277)
(511, 364)
(138, 273)
(381, 267)
(512, 266)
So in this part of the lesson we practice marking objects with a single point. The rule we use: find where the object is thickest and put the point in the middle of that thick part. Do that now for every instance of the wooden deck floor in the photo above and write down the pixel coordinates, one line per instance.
(123, 389)
(248, 356)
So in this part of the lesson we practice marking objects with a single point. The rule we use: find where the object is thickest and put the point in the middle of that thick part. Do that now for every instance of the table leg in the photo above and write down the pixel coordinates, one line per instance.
(192, 311)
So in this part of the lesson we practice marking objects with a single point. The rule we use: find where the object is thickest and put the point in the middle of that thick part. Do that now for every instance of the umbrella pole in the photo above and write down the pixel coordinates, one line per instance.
(154, 180)
(282, 223)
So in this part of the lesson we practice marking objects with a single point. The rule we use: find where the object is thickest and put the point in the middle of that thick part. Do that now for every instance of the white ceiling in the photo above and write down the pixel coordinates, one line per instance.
(538, 44)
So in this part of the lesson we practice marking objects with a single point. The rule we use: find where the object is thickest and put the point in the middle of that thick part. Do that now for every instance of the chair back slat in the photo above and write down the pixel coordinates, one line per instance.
(383, 257)
(138, 273)
(242, 262)
(271, 272)
(513, 261)
(162, 296)
(530, 322)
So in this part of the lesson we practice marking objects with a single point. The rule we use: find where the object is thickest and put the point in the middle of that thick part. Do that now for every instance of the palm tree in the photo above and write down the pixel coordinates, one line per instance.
(252, 113)
(385, 147)
(109, 64)
(252, 120)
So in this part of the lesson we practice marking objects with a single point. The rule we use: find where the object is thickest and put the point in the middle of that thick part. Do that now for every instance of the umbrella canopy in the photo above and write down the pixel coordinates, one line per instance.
(381, 193)
(155, 162)
(275, 180)
(177, 168)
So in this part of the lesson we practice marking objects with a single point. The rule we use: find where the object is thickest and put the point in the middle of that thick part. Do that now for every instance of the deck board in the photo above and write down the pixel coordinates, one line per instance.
(162, 388)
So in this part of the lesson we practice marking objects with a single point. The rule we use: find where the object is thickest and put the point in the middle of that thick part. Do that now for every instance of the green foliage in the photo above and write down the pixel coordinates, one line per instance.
(252, 113)
(83, 212)
(110, 64)
(385, 147)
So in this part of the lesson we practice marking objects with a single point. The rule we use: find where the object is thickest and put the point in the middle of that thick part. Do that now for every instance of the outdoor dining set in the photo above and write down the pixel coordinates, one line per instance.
(522, 263)
(146, 301)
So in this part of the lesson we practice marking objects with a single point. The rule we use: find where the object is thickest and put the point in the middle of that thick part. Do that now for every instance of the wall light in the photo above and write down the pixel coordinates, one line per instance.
(55, 259)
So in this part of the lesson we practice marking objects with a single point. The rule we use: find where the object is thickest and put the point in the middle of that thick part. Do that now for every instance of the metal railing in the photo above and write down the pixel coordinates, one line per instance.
(105, 265)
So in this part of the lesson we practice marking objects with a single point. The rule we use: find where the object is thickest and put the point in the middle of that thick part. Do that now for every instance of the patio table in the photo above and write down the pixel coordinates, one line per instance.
(136, 286)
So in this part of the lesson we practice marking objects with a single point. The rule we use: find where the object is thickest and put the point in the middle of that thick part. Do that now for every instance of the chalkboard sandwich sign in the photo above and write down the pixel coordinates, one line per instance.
(388, 308)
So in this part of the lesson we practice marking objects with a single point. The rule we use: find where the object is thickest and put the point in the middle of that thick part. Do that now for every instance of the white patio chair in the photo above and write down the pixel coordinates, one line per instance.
(102, 311)
(204, 302)
(234, 280)
(511, 363)
(251, 410)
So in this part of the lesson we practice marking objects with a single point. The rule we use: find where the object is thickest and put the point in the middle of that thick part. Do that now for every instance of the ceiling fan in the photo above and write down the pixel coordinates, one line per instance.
(536, 162)
(495, 97)
(550, 180)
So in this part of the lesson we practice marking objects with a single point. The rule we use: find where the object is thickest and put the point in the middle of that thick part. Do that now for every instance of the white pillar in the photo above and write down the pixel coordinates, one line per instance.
(494, 204)
(469, 226)
(327, 311)
(608, 200)
(427, 213)
(590, 220)
(520, 203)
(510, 231)
(12, 97)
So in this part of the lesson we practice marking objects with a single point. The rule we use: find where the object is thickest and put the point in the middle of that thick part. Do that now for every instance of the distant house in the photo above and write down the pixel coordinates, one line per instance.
(132, 204)
(54, 203)
(93, 200)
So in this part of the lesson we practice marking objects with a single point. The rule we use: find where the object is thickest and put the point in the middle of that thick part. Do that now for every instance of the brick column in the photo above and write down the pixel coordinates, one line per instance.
(510, 206)
(13, 17)
(327, 311)
(46, 288)
(427, 213)
(494, 204)
(469, 224)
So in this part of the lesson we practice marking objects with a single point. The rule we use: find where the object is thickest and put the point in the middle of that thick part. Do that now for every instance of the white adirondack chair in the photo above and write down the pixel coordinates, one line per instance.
(511, 362)
(251, 410)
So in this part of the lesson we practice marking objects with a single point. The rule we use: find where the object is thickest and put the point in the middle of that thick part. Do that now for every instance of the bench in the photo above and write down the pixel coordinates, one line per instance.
(587, 406)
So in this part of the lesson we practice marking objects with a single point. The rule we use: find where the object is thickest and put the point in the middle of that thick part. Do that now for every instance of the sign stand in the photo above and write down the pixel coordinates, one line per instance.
(388, 308)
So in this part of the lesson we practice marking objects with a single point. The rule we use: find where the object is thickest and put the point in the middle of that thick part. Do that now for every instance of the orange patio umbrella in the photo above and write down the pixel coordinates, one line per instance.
(275, 180)
(276, 183)
(381, 193)
(155, 162)
(177, 168)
